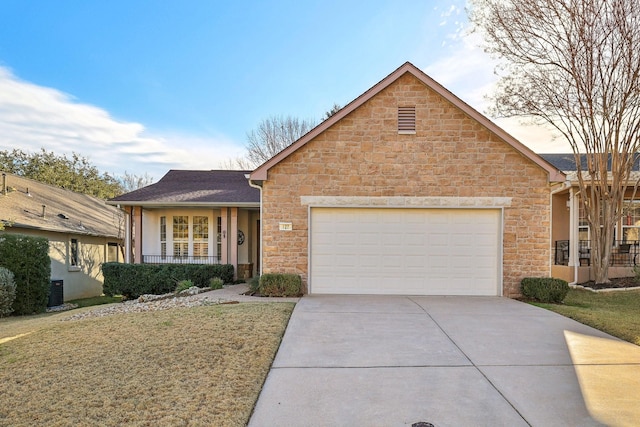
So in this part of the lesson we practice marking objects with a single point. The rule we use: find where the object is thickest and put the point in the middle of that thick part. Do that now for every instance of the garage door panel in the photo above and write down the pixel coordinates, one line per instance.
(405, 251)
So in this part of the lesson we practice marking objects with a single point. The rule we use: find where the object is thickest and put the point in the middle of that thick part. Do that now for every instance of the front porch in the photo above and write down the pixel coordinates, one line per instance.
(625, 255)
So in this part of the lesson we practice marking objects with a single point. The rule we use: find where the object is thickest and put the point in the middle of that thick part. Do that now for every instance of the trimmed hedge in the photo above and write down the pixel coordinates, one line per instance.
(133, 280)
(544, 289)
(7, 291)
(280, 285)
(28, 259)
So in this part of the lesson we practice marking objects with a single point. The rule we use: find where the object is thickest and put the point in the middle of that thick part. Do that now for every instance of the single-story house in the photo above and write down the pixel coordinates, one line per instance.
(405, 190)
(194, 217)
(83, 231)
(572, 262)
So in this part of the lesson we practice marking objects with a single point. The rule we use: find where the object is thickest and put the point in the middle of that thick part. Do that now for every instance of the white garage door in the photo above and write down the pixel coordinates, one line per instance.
(405, 251)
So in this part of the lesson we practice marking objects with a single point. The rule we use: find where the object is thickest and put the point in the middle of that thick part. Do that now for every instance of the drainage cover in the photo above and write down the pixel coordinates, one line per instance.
(422, 424)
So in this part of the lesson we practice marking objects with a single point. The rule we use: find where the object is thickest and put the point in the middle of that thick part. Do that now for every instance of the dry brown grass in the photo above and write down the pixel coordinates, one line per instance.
(180, 367)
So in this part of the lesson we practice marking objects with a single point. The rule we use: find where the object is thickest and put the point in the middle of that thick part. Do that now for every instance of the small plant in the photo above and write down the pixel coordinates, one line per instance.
(7, 291)
(280, 285)
(183, 285)
(215, 283)
(544, 289)
(254, 285)
(636, 273)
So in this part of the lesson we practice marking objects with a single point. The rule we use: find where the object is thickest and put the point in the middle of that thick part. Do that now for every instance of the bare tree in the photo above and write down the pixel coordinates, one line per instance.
(237, 163)
(130, 181)
(274, 135)
(574, 64)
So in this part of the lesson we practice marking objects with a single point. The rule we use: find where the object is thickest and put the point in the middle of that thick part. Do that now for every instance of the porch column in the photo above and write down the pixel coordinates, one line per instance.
(233, 241)
(574, 235)
(224, 253)
(137, 234)
(128, 233)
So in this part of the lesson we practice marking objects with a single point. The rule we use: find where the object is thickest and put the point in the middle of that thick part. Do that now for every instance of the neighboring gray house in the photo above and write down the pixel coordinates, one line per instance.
(83, 231)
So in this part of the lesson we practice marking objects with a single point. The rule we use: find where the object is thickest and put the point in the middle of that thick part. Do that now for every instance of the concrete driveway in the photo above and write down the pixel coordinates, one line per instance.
(448, 361)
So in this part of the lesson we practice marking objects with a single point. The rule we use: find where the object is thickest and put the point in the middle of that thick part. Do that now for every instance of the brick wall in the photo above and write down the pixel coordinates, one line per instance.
(450, 155)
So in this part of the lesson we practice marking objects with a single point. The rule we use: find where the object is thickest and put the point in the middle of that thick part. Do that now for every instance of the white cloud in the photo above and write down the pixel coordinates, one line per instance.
(34, 117)
(467, 71)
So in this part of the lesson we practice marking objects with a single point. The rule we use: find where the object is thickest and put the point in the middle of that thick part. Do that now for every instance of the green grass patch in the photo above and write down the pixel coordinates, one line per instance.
(616, 313)
(88, 302)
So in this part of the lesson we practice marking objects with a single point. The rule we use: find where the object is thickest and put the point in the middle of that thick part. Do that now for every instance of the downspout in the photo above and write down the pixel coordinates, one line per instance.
(572, 223)
(259, 187)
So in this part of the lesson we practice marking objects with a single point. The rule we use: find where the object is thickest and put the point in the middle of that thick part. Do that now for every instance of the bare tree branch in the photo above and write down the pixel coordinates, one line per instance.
(274, 135)
(574, 64)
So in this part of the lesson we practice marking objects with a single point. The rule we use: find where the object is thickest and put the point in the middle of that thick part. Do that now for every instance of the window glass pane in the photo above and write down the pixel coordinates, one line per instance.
(180, 227)
(74, 252)
(200, 236)
(200, 249)
(631, 220)
(163, 236)
(181, 236)
(180, 249)
(112, 252)
(200, 227)
(163, 228)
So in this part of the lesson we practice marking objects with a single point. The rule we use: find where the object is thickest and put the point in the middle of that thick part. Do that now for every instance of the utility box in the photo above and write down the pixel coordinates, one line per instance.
(56, 293)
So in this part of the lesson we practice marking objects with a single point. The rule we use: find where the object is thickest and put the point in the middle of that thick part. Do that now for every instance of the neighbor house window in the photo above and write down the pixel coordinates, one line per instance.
(73, 261)
(163, 236)
(112, 252)
(584, 230)
(583, 225)
(180, 236)
(631, 220)
(200, 236)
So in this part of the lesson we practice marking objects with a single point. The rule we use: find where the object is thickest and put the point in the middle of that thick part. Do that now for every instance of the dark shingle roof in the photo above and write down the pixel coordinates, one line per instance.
(185, 187)
(65, 211)
(566, 161)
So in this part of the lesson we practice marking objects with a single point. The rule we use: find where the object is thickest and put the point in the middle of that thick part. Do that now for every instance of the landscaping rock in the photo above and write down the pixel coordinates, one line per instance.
(149, 303)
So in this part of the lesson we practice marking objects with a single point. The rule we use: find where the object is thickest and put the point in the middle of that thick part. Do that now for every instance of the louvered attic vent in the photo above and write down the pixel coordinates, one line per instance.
(407, 120)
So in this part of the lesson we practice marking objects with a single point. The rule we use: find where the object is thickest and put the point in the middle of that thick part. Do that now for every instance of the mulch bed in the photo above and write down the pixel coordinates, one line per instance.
(621, 282)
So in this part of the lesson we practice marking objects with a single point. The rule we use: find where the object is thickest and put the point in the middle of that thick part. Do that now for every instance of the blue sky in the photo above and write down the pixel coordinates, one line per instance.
(145, 86)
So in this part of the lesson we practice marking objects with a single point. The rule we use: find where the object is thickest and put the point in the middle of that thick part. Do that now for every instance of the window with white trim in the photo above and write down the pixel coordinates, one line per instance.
(583, 225)
(584, 230)
(631, 220)
(112, 252)
(163, 237)
(74, 251)
(181, 236)
(200, 236)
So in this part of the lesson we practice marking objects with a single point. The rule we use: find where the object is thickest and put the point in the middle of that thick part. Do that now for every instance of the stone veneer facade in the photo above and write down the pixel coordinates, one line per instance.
(450, 156)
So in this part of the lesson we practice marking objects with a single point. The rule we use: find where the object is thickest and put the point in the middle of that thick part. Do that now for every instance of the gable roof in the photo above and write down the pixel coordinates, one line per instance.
(65, 211)
(566, 162)
(194, 188)
(261, 173)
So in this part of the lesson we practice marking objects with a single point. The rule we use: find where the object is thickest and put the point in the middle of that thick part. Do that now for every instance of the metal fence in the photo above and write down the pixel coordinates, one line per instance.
(624, 253)
(167, 259)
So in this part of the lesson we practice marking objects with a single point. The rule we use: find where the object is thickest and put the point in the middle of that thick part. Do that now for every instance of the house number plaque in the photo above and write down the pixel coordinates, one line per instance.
(286, 226)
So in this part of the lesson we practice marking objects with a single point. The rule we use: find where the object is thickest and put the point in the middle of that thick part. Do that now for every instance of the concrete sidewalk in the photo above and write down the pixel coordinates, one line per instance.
(448, 361)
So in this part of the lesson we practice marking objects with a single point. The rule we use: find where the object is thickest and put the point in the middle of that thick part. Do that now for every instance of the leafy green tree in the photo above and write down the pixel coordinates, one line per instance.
(75, 173)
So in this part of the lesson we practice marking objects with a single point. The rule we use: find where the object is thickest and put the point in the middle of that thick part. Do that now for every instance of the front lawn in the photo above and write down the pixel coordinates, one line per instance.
(617, 313)
(179, 367)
